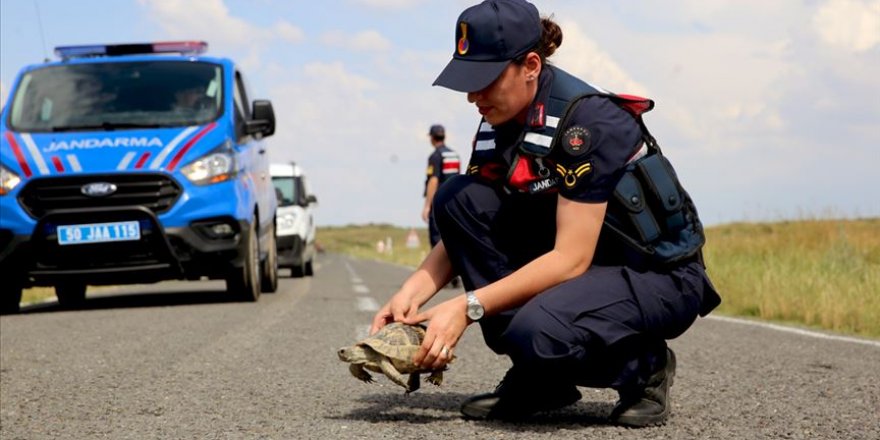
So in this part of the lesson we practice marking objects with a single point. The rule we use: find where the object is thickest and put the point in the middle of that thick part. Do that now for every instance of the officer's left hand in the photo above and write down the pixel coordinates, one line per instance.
(448, 321)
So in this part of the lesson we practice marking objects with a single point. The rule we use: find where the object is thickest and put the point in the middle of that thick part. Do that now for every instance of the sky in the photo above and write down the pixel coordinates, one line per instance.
(769, 110)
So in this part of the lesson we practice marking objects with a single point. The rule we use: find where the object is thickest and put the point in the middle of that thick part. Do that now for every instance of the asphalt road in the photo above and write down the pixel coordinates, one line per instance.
(176, 361)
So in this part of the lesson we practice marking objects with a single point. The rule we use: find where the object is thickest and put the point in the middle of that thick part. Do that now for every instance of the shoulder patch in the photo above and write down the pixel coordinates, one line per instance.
(576, 140)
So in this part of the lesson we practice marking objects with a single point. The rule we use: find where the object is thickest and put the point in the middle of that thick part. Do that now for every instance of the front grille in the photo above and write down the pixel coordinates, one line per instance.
(156, 192)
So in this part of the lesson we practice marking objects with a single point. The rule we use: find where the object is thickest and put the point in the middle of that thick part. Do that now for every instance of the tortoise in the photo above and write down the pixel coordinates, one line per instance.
(390, 351)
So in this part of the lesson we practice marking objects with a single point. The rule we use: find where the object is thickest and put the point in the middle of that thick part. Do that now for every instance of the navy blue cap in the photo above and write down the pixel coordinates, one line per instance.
(488, 37)
(437, 130)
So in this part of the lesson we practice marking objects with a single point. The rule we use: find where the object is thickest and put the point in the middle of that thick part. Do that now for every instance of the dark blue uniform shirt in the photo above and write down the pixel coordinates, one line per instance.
(442, 164)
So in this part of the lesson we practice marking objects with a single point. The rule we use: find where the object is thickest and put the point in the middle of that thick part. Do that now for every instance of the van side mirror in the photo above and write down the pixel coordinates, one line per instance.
(262, 118)
(311, 199)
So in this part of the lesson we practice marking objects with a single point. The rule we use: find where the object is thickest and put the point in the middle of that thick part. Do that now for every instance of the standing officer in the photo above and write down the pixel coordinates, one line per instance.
(443, 163)
(557, 161)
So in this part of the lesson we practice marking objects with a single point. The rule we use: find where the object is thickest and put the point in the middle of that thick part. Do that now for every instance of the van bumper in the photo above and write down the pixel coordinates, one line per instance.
(205, 248)
(291, 250)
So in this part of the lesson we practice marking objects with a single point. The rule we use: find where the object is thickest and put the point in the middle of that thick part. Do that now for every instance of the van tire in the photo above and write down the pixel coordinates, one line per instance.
(298, 270)
(10, 298)
(71, 295)
(244, 282)
(269, 276)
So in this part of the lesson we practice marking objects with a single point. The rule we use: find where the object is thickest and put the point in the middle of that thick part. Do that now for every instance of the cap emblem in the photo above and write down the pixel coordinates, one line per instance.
(463, 43)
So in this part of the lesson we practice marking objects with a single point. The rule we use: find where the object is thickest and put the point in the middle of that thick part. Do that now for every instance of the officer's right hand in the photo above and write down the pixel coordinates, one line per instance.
(426, 213)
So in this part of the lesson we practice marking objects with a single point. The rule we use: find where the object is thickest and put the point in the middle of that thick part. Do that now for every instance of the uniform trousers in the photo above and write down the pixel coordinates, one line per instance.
(433, 232)
(605, 328)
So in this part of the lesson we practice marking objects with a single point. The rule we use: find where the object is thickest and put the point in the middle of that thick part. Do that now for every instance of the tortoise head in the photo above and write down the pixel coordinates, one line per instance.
(354, 354)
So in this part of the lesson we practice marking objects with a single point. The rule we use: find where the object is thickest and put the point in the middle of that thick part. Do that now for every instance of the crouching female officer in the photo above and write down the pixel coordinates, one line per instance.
(554, 160)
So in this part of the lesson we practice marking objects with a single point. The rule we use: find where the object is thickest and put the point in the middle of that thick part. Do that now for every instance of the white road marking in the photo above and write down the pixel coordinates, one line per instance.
(356, 280)
(360, 288)
(350, 270)
(796, 331)
(367, 304)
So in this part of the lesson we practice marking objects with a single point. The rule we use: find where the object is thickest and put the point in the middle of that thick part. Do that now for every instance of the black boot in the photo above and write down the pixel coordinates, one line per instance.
(517, 396)
(648, 406)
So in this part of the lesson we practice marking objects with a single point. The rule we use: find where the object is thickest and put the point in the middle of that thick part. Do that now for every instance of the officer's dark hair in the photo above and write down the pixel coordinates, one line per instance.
(551, 39)
(438, 137)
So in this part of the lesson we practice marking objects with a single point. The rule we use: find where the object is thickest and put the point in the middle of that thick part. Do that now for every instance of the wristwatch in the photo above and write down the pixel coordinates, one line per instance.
(474, 308)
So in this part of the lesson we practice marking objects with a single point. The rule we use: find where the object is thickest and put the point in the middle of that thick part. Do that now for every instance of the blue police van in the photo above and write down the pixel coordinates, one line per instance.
(135, 163)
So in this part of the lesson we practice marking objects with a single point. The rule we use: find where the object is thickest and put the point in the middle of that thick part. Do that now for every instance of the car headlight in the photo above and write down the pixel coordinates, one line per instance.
(286, 221)
(215, 167)
(8, 180)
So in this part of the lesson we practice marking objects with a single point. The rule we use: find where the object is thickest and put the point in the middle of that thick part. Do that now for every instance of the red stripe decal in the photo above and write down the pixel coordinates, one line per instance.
(189, 144)
(451, 165)
(20, 157)
(59, 166)
(141, 161)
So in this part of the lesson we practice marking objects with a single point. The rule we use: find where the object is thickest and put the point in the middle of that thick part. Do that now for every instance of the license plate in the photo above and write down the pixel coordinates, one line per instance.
(99, 233)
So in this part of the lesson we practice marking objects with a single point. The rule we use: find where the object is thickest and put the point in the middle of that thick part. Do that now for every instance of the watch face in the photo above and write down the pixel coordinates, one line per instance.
(474, 308)
(475, 312)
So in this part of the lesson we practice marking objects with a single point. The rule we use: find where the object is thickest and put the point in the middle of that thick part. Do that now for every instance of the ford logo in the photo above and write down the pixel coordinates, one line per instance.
(98, 189)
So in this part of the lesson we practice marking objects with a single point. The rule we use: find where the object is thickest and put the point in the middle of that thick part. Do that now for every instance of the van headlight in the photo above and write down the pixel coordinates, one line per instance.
(286, 221)
(215, 167)
(8, 180)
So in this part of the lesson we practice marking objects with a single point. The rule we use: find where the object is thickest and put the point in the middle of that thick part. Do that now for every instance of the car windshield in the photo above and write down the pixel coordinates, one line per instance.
(285, 190)
(117, 95)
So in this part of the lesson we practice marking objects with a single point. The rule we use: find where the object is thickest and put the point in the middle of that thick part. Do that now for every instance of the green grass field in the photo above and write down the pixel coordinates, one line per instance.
(817, 273)
(823, 274)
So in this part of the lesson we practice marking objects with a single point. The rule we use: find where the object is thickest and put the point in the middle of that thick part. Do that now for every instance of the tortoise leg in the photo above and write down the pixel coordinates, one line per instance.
(414, 382)
(392, 373)
(436, 377)
(359, 372)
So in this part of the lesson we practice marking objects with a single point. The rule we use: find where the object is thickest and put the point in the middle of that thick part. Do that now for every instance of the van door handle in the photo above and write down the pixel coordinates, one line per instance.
(262, 151)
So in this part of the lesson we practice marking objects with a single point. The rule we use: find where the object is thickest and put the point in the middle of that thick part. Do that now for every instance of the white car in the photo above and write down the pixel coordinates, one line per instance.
(294, 220)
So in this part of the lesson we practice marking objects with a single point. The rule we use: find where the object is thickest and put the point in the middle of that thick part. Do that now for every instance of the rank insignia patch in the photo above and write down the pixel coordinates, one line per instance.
(576, 140)
(570, 176)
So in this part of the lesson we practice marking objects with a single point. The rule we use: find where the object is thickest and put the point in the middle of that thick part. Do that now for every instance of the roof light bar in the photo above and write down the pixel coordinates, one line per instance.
(80, 51)
(95, 50)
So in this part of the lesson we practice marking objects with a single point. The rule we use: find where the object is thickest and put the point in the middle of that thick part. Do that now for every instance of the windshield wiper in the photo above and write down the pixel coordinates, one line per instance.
(106, 126)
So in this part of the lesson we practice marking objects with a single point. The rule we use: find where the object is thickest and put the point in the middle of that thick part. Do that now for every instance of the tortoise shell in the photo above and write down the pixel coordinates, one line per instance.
(399, 342)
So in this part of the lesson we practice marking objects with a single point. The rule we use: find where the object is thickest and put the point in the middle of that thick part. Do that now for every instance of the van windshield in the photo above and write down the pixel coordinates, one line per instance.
(119, 95)
(287, 190)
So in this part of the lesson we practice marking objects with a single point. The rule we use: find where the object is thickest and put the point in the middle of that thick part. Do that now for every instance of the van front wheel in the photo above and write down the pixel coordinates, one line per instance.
(244, 283)
(10, 297)
(269, 276)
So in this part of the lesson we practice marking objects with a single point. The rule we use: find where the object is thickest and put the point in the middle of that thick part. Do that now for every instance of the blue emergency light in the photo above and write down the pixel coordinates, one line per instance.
(97, 50)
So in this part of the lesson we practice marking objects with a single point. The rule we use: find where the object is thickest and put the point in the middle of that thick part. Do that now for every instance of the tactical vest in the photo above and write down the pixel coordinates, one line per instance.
(649, 212)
